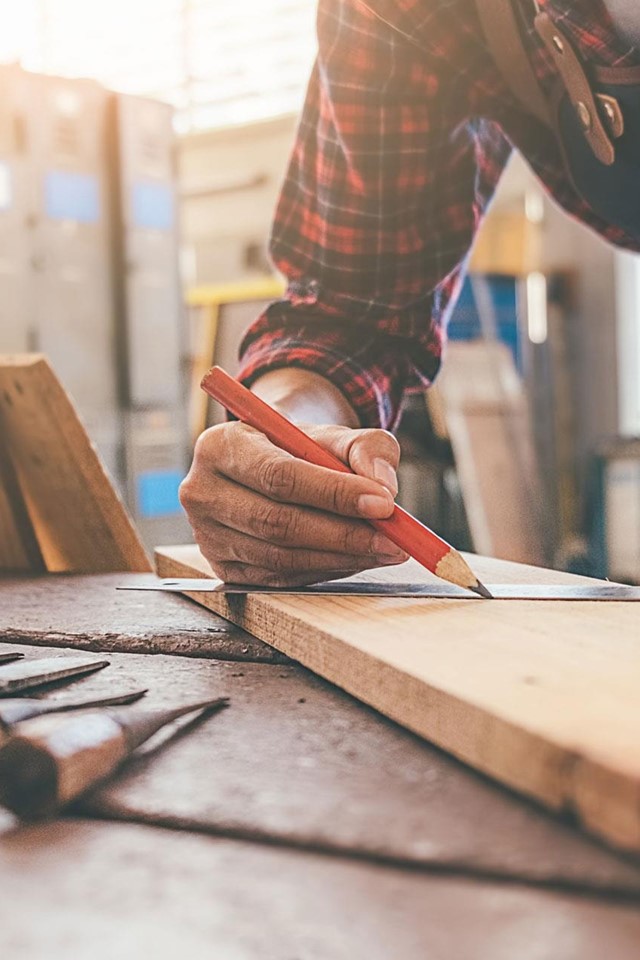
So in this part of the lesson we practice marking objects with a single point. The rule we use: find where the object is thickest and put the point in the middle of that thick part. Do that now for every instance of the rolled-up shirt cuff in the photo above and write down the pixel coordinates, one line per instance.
(370, 377)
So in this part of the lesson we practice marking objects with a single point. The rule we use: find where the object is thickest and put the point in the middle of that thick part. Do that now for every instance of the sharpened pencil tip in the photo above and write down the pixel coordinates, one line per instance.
(482, 591)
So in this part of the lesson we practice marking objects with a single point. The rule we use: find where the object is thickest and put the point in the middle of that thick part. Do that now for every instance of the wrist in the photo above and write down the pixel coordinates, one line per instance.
(304, 396)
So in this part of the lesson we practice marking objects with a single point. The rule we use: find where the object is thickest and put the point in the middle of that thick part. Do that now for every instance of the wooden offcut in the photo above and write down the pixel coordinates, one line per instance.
(58, 509)
(541, 696)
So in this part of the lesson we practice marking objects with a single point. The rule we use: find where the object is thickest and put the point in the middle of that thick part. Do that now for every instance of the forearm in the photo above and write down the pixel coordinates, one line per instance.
(305, 397)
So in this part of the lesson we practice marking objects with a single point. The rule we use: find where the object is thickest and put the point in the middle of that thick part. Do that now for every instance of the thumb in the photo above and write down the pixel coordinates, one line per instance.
(374, 454)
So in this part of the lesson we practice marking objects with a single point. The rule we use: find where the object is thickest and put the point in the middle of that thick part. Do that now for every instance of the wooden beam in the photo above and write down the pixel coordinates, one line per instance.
(542, 696)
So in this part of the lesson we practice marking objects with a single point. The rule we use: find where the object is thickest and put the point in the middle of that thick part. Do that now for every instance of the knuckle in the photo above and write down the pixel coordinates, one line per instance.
(235, 434)
(246, 573)
(383, 441)
(222, 544)
(208, 545)
(208, 442)
(186, 492)
(225, 571)
(276, 559)
(356, 540)
(233, 553)
(277, 578)
(271, 578)
(274, 523)
(283, 563)
(341, 495)
(391, 442)
(198, 491)
(277, 476)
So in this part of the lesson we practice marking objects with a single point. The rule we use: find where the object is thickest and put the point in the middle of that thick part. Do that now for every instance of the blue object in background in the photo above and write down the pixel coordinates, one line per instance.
(465, 321)
(72, 196)
(152, 205)
(157, 493)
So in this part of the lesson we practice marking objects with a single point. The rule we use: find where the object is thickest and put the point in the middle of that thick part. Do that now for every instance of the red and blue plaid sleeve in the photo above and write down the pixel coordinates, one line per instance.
(406, 128)
(386, 186)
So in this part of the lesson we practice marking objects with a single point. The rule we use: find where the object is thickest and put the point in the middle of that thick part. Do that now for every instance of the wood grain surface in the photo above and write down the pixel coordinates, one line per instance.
(77, 518)
(80, 889)
(540, 695)
(89, 613)
(295, 761)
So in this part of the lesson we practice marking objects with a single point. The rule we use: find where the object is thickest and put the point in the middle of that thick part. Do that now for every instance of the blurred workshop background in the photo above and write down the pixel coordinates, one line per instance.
(142, 143)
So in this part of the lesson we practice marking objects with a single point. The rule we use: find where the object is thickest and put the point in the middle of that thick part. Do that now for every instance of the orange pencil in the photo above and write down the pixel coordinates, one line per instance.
(405, 531)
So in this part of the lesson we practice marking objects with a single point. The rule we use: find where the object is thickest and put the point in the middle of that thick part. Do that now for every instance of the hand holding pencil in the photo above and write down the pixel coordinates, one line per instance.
(261, 516)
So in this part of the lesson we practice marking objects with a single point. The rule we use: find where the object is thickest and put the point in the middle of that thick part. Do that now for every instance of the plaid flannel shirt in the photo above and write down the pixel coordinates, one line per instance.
(406, 129)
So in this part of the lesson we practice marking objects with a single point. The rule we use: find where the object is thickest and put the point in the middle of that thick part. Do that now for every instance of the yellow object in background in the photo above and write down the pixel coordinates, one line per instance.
(224, 311)
(509, 243)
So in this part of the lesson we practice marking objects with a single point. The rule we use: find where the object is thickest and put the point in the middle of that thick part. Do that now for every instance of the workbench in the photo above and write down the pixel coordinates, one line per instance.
(297, 824)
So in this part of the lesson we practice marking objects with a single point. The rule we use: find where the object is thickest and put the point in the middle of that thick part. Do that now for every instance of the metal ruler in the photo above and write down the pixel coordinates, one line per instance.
(435, 591)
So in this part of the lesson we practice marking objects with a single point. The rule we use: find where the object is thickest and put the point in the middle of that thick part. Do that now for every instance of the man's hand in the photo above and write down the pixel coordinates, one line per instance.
(261, 516)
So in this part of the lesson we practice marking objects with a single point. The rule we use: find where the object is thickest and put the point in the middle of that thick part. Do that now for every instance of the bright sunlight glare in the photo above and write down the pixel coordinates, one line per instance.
(216, 62)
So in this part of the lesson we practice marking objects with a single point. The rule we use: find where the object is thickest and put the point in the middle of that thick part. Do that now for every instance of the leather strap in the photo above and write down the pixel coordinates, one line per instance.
(503, 36)
(577, 85)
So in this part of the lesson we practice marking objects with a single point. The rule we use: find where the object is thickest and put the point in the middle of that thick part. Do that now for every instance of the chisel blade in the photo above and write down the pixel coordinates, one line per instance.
(15, 710)
(10, 657)
(30, 674)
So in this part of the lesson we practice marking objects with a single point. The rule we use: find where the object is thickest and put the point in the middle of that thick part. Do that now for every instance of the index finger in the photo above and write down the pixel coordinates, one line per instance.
(251, 459)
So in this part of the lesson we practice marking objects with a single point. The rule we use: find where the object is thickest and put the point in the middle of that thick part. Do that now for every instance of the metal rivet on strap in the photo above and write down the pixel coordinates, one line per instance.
(584, 114)
(558, 43)
(613, 112)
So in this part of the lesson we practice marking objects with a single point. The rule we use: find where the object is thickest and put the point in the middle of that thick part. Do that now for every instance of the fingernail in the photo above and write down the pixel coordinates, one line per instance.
(393, 559)
(386, 475)
(373, 506)
(383, 547)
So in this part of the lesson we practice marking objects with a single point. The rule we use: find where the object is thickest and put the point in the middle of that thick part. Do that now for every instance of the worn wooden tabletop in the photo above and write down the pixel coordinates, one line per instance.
(296, 824)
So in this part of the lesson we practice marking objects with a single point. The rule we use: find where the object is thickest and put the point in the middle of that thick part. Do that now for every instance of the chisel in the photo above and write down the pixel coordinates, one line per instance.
(23, 708)
(49, 761)
(36, 673)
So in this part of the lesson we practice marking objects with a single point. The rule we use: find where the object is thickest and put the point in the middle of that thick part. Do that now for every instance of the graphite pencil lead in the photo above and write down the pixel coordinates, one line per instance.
(482, 591)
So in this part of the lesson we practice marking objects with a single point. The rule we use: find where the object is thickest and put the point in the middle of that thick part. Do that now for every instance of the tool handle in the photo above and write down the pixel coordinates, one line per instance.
(51, 760)
(401, 528)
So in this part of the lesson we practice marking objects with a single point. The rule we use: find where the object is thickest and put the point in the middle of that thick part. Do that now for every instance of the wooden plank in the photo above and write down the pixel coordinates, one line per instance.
(82, 889)
(88, 612)
(541, 696)
(297, 762)
(78, 520)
